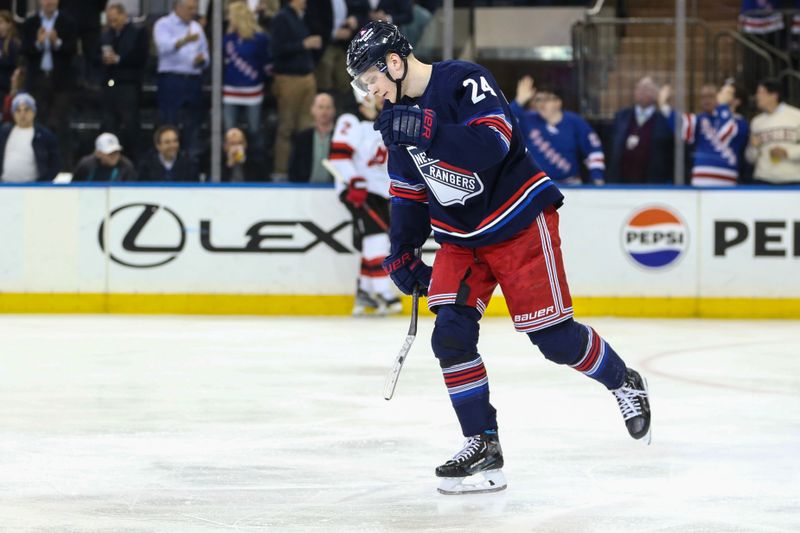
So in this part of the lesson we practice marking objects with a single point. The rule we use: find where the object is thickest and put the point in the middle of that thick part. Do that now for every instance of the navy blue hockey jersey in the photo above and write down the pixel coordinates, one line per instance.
(476, 182)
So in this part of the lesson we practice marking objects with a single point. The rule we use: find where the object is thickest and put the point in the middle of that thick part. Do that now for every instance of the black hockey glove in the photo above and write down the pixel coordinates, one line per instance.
(408, 271)
(407, 126)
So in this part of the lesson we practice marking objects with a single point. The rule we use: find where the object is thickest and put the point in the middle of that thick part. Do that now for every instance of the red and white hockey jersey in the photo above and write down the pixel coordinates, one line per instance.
(358, 150)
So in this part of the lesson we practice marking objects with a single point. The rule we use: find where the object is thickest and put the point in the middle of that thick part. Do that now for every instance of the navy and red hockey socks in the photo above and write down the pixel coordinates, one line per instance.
(468, 386)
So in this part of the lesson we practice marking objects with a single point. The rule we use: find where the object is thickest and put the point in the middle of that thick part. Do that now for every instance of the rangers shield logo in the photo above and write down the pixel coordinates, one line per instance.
(449, 184)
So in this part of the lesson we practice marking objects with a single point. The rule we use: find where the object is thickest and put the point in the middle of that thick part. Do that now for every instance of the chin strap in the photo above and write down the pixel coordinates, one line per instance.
(399, 83)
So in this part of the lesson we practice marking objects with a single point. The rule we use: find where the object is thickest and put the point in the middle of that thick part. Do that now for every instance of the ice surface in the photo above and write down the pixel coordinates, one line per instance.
(183, 424)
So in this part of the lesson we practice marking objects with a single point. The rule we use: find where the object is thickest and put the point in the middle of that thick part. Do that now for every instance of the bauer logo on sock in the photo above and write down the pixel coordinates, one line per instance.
(655, 237)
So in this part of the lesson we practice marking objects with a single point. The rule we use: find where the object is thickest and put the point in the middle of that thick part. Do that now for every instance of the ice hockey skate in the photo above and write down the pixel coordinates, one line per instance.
(365, 304)
(474, 469)
(389, 306)
(634, 403)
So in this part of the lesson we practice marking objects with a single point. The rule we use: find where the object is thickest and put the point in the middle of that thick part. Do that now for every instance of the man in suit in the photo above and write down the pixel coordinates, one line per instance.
(312, 145)
(167, 162)
(643, 143)
(49, 44)
(125, 51)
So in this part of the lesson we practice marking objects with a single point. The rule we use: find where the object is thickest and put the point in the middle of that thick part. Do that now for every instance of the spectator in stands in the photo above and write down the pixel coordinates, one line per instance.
(397, 12)
(718, 137)
(557, 139)
(17, 86)
(125, 51)
(642, 146)
(336, 21)
(167, 162)
(86, 14)
(49, 44)
(294, 86)
(239, 165)
(760, 17)
(312, 145)
(708, 97)
(420, 17)
(182, 56)
(775, 138)
(106, 163)
(246, 50)
(10, 46)
(30, 151)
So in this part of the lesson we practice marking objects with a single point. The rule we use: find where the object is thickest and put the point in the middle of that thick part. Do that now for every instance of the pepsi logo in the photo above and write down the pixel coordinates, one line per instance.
(655, 237)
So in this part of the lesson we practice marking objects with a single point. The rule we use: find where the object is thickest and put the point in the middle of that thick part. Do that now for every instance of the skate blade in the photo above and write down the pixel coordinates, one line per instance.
(649, 436)
(480, 483)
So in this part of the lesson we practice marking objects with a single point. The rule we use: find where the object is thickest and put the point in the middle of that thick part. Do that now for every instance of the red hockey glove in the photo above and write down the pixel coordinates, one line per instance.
(356, 192)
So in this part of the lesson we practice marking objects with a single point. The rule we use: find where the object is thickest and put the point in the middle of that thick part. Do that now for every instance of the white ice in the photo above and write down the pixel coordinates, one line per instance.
(183, 424)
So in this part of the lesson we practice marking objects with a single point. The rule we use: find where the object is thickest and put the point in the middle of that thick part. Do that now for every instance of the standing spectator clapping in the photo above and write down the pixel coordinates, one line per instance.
(294, 86)
(182, 57)
(49, 44)
(125, 50)
(29, 150)
(246, 50)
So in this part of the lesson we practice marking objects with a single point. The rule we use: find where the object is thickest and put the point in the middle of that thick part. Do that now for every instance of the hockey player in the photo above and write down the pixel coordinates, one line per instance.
(358, 160)
(718, 138)
(458, 164)
(557, 138)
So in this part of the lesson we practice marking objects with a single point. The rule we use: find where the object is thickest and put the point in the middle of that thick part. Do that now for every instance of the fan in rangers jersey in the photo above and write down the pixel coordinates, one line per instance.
(718, 137)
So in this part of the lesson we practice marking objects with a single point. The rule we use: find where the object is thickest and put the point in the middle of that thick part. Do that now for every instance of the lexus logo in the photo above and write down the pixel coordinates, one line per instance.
(167, 230)
(156, 235)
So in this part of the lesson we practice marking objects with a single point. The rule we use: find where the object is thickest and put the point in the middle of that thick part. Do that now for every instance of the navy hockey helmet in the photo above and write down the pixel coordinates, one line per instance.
(370, 47)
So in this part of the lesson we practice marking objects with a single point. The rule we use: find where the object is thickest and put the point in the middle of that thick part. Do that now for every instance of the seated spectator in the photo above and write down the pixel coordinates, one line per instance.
(774, 138)
(239, 166)
(10, 46)
(30, 151)
(718, 137)
(246, 50)
(558, 140)
(312, 145)
(642, 149)
(125, 50)
(167, 162)
(106, 163)
(17, 85)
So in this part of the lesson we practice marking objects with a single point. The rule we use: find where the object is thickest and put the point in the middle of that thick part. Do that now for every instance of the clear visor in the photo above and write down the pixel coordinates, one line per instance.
(362, 82)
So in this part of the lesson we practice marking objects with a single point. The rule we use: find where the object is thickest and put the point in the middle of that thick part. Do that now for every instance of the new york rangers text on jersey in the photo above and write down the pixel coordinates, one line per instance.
(477, 184)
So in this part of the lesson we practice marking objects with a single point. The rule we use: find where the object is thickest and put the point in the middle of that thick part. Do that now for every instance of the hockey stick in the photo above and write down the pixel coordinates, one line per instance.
(394, 373)
(367, 209)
